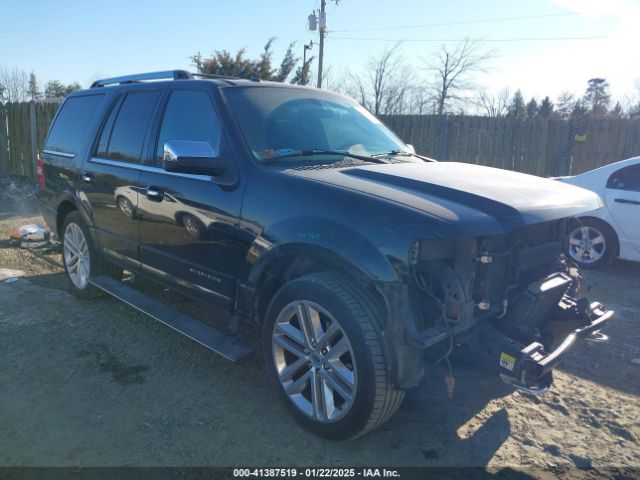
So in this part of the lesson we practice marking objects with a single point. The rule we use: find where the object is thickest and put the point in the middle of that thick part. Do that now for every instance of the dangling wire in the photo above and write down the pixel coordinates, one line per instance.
(449, 379)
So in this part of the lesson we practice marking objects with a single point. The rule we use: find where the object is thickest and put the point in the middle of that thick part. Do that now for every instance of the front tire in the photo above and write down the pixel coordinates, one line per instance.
(323, 353)
(591, 242)
(80, 258)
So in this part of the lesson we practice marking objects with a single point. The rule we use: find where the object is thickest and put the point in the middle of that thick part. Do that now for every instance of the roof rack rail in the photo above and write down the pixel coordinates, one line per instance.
(216, 75)
(140, 77)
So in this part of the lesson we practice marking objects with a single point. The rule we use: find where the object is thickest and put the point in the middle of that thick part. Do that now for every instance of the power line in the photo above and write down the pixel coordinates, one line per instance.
(467, 22)
(522, 39)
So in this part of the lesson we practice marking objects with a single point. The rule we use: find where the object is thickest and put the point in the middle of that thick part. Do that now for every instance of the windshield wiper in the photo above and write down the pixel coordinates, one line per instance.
(317, 151)
(402, 153)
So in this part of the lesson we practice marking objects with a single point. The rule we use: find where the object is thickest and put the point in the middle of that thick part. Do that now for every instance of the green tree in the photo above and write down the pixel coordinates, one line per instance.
(617, 111)
(303, 73)
(565, 104)
(33, 91)
(532, 108)
(580, 110)
(597, 98)
(517, 107)
(223, 62)
(56, 89)
(287, 65)
(546, 108)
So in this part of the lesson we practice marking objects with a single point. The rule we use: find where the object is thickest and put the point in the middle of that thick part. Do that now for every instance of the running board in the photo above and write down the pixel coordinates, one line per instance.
(205, 335)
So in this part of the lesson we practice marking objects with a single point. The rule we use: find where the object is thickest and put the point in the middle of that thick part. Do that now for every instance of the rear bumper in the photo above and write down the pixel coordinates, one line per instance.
(528, 367)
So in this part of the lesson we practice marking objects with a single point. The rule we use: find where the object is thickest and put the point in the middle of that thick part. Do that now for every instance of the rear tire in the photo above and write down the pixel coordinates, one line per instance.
(334, 380)
(591, 242)
(81, 259)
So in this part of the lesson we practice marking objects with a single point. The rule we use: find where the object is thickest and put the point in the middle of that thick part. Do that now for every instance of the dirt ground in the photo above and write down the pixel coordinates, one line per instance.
(94, 383)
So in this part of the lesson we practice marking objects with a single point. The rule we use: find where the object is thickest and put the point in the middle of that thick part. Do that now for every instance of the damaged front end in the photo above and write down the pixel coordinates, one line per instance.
(509, 303)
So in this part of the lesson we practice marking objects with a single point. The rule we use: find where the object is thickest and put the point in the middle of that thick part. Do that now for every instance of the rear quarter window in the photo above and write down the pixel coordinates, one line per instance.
(72, 125)
(131, 122)
(627, 178)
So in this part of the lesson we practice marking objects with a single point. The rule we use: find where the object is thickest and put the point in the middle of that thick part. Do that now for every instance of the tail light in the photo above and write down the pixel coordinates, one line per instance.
(40, 173)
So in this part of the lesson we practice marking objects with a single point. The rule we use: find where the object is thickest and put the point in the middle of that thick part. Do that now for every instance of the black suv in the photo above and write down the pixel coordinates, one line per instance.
(297, 211)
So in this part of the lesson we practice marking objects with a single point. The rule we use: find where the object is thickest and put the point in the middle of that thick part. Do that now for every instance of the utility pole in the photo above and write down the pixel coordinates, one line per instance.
(320, 23)
(323, 29)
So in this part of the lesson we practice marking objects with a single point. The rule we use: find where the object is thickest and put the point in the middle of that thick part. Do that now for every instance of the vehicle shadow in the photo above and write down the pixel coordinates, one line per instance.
(609, 363)
(466, 430)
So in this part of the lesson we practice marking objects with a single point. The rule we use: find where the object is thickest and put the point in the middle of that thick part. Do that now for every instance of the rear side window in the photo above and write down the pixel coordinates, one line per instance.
(103, 142)
(131, 122)
(69, 131)
(627, 178)
(189, 116)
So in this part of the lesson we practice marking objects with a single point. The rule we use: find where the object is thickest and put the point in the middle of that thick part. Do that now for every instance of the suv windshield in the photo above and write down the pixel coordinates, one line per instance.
(280, 122)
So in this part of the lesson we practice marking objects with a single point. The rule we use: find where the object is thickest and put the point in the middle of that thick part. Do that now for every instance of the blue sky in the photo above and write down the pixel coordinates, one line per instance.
(77, 41)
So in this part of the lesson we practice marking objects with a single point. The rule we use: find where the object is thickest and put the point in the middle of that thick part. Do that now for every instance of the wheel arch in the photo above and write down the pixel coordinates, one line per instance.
(66, 203)
(64, 208)
(288, 262)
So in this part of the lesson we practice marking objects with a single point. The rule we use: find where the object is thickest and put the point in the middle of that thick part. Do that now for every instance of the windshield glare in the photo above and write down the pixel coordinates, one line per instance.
(278, 122)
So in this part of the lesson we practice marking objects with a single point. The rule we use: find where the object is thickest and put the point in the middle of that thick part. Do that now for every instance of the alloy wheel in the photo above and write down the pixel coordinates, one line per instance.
(587, 244)
(314, 361)
(76, 255)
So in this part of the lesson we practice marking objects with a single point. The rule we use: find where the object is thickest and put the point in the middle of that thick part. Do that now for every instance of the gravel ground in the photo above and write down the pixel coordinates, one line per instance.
(94, 383)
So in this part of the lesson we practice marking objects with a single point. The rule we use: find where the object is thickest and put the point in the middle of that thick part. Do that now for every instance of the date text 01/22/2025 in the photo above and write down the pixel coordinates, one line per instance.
(315, 473)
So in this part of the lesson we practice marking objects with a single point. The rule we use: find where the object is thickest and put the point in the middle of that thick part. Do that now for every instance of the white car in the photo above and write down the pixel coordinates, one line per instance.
(613, 230)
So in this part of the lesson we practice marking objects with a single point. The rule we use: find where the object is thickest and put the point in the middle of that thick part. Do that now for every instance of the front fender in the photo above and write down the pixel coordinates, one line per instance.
(325, 238)
(386, 260)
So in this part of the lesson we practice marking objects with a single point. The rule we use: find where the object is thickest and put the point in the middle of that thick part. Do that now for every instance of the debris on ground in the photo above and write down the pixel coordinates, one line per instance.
(33, 236)
(30, 233)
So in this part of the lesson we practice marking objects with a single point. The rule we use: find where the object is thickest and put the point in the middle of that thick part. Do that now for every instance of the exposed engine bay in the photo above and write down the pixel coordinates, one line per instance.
(508, 300)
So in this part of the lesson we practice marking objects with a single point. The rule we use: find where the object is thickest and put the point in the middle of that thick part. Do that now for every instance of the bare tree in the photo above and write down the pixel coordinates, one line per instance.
(384, 87)
(339, 82)
(452, 68)
(420, 101)
(631, 101)
(494, 105)
(14, 84)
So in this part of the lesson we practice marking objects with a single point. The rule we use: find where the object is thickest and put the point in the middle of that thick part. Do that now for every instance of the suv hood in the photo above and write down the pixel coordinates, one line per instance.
(478, 200)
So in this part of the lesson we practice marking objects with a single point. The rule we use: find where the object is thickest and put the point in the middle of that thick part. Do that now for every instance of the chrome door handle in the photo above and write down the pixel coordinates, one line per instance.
(155, 193)
(87, 177)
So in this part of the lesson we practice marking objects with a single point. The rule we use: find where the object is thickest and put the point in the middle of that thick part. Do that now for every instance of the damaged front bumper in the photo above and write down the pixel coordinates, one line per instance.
(528, 366)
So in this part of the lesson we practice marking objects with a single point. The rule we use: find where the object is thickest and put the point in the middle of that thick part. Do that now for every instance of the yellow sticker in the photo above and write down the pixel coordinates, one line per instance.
(507, 361)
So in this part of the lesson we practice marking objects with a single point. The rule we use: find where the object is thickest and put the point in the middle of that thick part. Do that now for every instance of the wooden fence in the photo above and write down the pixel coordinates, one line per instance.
(23, 128)
(541, 147)
(537, 146)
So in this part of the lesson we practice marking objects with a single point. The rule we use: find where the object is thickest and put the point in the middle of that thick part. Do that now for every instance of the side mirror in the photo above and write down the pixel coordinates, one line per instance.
(192, 156)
